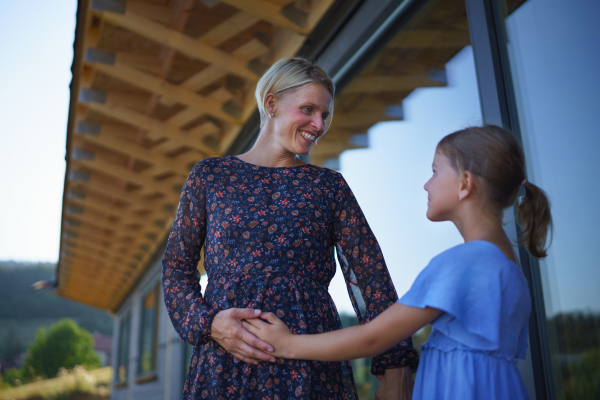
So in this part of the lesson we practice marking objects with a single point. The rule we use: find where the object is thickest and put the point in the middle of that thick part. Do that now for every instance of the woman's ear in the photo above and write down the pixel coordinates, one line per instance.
(465, 186)
(270, 103)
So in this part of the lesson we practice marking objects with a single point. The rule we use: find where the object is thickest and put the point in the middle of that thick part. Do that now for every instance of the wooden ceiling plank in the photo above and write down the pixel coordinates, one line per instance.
(376, 84)
(91, 236)
(178, 41)
(156, 12)
(124, 215)
(269, 12)
(429, 38)
(163, 88)
(105, 255)
(105, 259)
(102, 137)
(229, 28)
(138, 178)
(156, 129)
(135, 200)
(360, 119)
(318, 10)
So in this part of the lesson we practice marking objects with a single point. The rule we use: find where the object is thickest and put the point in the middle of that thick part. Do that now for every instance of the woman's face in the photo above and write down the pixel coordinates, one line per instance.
(299, 117)
(442, 189)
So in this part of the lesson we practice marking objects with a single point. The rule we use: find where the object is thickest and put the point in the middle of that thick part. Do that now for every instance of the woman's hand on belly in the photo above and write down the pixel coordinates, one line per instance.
(227, 331)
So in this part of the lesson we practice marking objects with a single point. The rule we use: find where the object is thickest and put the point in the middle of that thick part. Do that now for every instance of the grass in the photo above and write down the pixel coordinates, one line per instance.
(69, 384)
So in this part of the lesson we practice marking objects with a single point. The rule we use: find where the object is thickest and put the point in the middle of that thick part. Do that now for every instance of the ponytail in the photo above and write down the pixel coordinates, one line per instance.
(533, 215)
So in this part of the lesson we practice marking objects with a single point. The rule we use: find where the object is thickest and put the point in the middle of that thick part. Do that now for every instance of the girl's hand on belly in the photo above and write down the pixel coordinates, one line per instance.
(227, 330)
(275, 332)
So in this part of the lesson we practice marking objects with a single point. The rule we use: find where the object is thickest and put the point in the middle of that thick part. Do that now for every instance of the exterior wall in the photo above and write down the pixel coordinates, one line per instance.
(170, 366)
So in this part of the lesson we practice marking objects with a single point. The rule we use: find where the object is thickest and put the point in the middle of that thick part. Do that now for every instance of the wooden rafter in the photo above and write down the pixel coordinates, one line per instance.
(179, 41)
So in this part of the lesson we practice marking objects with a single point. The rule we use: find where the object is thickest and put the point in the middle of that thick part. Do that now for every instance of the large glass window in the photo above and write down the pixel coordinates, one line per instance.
(419, 87)
(553, 51)
(123, 350)
(148, 330)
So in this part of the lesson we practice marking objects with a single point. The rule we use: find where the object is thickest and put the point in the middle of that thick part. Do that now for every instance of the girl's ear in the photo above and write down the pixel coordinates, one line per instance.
(466, 185)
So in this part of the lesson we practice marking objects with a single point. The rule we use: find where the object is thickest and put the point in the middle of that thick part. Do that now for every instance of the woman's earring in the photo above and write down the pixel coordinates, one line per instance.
(271, 115)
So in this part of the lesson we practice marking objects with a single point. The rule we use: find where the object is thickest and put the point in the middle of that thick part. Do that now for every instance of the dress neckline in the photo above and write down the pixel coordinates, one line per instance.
(261, 166)
(498, 249)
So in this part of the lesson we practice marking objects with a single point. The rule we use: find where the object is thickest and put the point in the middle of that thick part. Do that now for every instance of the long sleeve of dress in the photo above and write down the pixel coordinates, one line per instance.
(189, 313)
(368, 280)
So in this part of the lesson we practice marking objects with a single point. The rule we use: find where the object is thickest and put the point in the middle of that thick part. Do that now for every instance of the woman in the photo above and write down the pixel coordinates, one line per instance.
(269, 223)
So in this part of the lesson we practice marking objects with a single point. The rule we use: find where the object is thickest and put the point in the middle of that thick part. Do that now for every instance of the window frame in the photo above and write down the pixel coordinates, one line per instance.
(151, 287)
(123, 349)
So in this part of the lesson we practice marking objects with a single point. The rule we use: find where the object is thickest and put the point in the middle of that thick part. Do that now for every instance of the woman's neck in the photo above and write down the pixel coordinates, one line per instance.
(266, 152)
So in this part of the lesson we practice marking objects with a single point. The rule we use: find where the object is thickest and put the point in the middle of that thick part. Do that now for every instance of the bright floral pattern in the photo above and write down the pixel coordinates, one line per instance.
(269, 236)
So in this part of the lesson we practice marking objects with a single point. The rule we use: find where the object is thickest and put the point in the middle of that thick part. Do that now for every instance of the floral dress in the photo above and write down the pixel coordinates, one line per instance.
(269, 236)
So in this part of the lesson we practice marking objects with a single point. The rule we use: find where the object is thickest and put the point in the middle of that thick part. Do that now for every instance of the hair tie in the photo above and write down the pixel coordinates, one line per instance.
(524, 182)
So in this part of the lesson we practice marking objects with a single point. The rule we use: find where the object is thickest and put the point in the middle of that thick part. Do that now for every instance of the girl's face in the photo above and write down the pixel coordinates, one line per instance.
(299, 117)
(442, 189)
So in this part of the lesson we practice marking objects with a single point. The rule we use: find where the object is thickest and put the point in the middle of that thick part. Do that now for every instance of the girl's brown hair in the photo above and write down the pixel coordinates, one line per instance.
(494, 155)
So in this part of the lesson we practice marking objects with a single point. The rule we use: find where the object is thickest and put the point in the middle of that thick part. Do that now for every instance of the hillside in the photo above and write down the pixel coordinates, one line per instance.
(23, 311)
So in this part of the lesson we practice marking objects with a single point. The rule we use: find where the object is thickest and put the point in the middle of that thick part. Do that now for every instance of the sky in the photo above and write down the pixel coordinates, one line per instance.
(37, 50)
(557, 90)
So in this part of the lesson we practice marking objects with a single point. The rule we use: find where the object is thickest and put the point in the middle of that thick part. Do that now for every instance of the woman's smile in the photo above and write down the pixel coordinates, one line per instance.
(308, 136)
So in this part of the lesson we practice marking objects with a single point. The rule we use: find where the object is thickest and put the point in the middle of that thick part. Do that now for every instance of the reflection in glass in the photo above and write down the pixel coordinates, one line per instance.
(148, 331)
(553, 50)
(123, 351)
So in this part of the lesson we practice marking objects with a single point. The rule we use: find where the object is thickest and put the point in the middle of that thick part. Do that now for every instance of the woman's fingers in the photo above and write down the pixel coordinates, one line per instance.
(253, 341)
(249, 351)
(249, 326)
(272, 318)
(245, 313)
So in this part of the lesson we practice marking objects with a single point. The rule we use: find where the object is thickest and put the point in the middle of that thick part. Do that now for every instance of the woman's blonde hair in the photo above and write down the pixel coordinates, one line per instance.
(288, 74)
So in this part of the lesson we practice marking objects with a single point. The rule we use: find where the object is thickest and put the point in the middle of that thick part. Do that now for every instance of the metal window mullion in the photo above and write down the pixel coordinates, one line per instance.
(498, 107)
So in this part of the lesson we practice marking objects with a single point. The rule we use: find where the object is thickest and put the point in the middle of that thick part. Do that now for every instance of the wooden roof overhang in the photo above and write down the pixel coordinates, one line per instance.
(157, 86)
(161, 84)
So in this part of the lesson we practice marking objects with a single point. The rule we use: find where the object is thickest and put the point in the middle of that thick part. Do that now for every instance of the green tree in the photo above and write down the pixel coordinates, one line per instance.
(64, 344)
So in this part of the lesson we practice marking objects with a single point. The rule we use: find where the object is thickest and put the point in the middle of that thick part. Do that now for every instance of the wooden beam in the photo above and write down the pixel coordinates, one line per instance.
(159, 86)
(429, 38)
(360, 119)
(179, 41)
(108, 256)
(375, 84)
(274, 14)
(151, 11)
(156, 129)
(135, 200)
(229, 28)
(125, 215)
(102, 136)
(138, 178)
(318, 10)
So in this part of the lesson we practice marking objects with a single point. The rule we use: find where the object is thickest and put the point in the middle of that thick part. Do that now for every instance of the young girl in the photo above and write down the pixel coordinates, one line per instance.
(475, 294)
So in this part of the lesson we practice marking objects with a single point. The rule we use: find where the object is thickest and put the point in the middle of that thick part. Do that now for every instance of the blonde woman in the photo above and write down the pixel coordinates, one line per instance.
(269, 224)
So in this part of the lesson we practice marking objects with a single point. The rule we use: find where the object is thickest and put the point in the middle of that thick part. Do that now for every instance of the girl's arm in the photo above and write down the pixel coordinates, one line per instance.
(390, 327)
(367, 277)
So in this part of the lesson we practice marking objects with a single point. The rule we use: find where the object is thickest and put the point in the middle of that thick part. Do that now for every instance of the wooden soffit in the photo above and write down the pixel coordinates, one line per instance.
(157, 86)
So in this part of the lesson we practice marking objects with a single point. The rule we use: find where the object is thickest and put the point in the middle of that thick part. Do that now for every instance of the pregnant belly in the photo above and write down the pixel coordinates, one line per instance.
(302, 303)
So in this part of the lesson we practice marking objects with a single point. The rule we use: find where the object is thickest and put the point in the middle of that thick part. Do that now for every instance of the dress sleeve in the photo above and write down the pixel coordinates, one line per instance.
(367, 278)
(189, 313)
(467, 287)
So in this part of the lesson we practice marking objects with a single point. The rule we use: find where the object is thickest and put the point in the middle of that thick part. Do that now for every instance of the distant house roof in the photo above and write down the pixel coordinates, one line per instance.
(102, 342)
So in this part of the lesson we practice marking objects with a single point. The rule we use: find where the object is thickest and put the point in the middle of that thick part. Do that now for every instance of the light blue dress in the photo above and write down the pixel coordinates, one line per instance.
(473, 346)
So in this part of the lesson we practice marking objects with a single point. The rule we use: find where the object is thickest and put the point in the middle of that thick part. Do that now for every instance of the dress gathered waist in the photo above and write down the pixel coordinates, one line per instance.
(275, 272)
